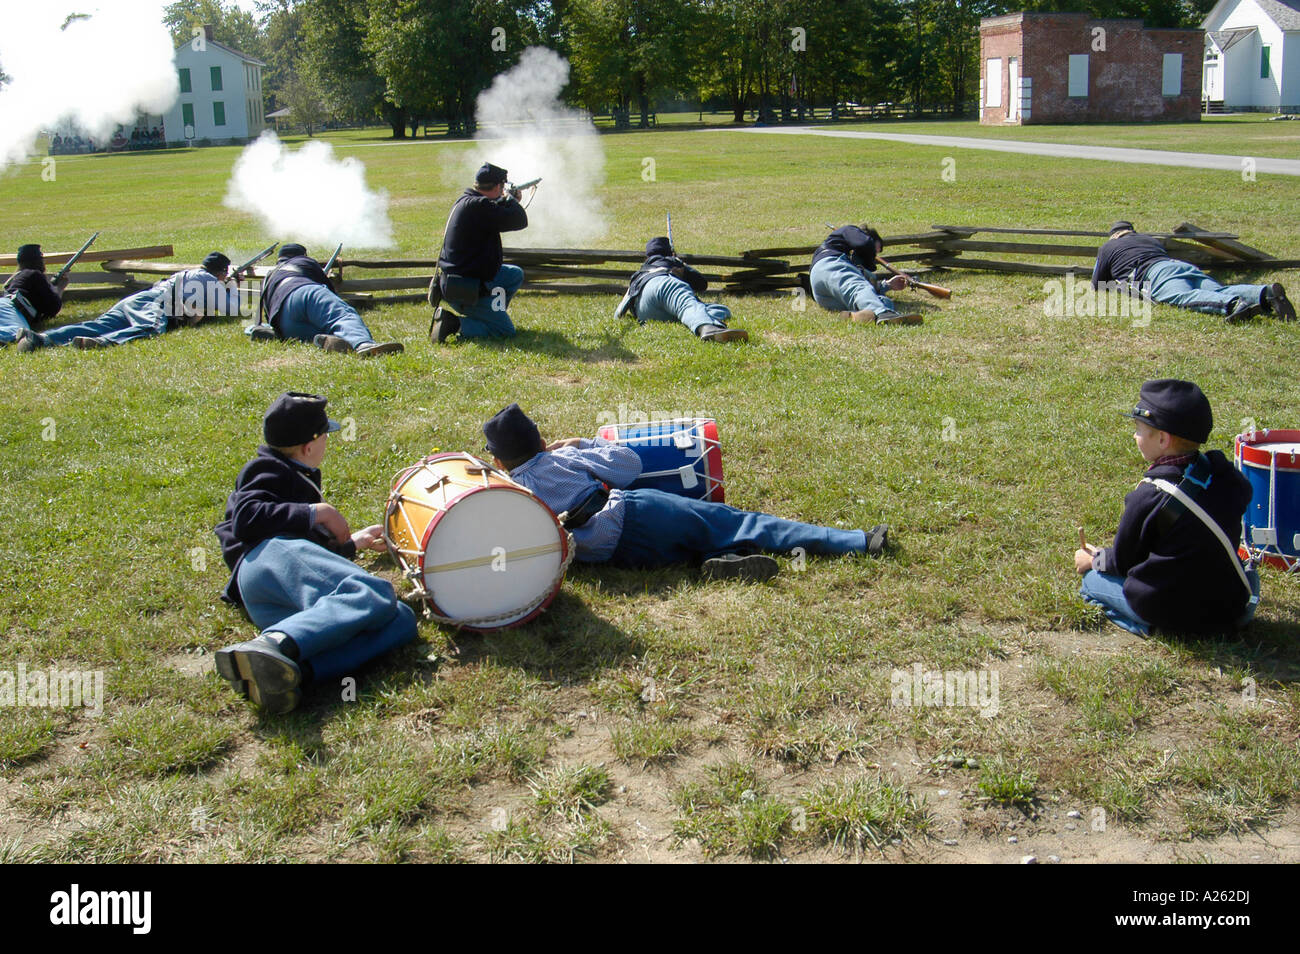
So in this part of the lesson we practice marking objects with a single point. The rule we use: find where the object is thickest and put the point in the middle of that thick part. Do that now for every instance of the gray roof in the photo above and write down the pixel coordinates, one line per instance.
(1285, 13)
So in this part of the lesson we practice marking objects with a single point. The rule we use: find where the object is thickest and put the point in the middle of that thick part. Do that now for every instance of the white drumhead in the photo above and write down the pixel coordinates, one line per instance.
(494, 551)
(1278, 449)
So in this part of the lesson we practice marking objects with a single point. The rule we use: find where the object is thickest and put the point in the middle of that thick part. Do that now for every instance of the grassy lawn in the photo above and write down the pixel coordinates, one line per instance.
(655, 715)
(1239, 135)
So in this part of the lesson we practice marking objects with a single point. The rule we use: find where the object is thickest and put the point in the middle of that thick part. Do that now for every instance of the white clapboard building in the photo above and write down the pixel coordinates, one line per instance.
(221, 93)
(1252, 55)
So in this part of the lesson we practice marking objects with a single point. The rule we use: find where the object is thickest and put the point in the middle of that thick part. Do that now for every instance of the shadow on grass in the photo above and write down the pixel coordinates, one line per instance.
(634, 583)
(568, 643)
(557, 345)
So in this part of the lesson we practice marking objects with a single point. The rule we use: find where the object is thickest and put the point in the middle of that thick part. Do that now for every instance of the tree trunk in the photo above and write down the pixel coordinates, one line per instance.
(396, 119)
(643, 101)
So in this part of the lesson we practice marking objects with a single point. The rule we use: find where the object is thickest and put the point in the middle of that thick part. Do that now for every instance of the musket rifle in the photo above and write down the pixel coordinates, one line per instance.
(333, 258)
(67, 267)
(671, 247)
(255, 259)
(938, 291)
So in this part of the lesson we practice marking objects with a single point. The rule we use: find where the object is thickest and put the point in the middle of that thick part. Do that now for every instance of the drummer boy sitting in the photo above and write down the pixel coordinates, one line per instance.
(585, 478)
(290, 555)
(1174, 565)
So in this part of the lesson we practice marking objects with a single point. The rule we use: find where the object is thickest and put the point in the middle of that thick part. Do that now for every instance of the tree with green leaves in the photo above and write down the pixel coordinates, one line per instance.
(233, 26)
(336, 63)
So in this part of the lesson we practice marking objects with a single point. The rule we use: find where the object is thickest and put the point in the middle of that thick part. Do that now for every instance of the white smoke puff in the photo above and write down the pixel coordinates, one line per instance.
(97, 73)
(525, 128)
(309, 195)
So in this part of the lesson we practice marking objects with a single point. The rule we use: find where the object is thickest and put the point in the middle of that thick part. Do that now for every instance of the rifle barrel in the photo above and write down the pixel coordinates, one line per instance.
(67, 266)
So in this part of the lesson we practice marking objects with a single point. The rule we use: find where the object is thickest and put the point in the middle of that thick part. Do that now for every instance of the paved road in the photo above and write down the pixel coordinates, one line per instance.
(1159, 157)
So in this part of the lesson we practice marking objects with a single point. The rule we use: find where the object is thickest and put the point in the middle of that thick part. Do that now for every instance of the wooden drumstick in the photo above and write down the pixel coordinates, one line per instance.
(1083, 541)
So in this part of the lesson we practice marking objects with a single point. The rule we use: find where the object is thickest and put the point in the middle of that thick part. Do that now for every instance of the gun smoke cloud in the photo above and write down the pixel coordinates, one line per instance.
(95, 70)
(309, 195)
(524, 127)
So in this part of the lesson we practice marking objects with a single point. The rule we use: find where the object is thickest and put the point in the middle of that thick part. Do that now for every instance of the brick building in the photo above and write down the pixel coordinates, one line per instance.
(1067, 68)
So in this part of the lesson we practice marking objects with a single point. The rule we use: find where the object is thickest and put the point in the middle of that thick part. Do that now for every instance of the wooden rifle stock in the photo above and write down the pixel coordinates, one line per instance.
(938, 291)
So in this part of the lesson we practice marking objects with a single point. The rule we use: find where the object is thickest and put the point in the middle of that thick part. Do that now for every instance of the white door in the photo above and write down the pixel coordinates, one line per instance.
(1013, 89)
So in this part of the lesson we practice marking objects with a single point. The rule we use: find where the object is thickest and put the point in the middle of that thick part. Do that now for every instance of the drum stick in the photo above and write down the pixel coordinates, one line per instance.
(1083, 541)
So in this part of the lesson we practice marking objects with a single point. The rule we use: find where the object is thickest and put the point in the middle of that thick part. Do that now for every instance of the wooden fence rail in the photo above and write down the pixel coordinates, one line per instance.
(755, 271)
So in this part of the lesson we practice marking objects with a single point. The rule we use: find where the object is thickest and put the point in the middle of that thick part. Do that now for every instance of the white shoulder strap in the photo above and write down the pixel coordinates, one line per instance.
(1206, 519)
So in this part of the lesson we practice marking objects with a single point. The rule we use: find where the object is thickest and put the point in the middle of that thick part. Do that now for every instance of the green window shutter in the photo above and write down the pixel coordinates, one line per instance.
(1263, 62)
(219, 114)
(187, 114)
(216, 78)
(185, 81)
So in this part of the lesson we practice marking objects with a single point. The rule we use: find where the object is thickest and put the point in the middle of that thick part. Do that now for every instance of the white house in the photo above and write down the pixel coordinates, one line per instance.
(221, 93)
(1252, 55)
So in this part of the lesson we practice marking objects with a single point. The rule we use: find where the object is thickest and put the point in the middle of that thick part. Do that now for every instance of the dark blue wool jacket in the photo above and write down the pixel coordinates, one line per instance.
(272, 498)
(1181, 580)
(656, 265)
(851, 241)
(1128, 256)
(289, 274)
(40, 294)
(471, 247)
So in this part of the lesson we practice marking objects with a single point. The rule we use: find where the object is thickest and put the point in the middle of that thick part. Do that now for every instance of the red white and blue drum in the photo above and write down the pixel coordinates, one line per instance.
(1270, 460)
(682, 456)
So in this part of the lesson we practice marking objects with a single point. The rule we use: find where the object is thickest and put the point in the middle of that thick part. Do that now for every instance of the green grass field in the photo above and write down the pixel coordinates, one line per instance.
(656, 715)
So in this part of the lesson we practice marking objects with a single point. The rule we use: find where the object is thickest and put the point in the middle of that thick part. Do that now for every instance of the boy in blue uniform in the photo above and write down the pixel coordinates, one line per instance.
(1174, 565)
(665, 288)
(842, 278)
(290, 555)
(650, 528)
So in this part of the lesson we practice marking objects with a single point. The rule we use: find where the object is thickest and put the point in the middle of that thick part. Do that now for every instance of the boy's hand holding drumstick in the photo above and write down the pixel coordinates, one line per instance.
(1083, 556)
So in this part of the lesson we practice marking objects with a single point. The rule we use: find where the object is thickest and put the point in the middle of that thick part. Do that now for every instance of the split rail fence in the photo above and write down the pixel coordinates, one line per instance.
(756, 271)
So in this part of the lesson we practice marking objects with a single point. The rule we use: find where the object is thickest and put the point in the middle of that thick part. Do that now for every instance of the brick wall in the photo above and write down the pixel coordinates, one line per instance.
(1000, 37)
(1125, 68)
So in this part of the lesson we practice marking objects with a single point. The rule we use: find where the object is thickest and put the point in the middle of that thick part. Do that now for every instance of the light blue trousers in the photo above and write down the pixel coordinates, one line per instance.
(661, 528)
(12, 322)
(838, 285)
(668, 298)
(1177, 283)
(489, 317)
(312, 310)
(340, 616)
(1107, 591)
(135, 317)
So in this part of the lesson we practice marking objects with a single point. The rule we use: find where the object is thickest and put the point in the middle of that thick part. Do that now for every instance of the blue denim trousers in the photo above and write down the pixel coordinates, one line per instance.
(131, 319)
(838, 285)
(661, 528)
(340, 616)
(12, 322)
(489, 318)
(312, 310)
(1107, 591)
(1177, 283)
(668, 298)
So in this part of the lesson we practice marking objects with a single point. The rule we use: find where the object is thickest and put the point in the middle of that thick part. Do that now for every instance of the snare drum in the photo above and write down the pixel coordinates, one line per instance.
(1270, 460)
(483, 552)
(682, 456)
